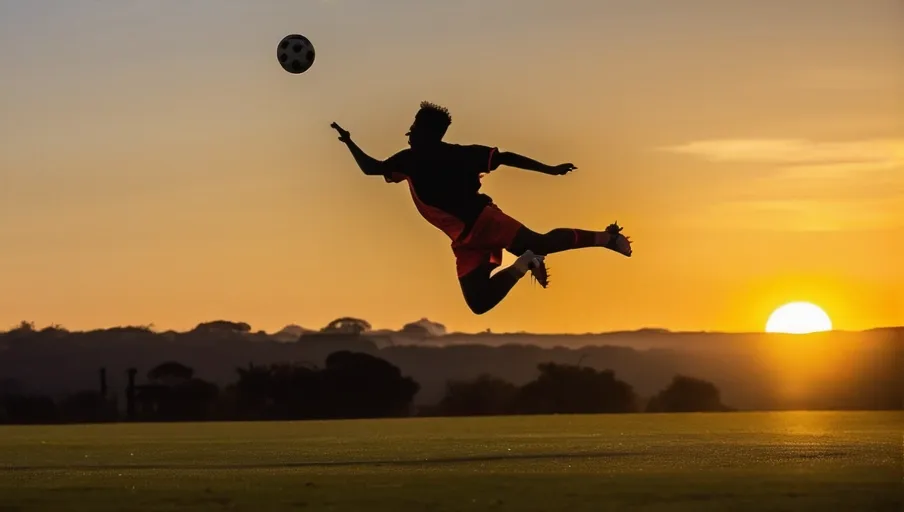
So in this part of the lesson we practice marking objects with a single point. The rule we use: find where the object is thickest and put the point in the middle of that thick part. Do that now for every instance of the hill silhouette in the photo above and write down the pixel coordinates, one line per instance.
(754, 371)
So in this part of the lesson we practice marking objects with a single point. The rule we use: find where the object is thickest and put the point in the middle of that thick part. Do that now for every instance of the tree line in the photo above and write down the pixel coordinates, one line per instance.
(42, 370)
(349, 385)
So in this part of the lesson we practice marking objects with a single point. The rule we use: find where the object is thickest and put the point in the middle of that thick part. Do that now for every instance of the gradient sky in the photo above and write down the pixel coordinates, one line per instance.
(159, 167)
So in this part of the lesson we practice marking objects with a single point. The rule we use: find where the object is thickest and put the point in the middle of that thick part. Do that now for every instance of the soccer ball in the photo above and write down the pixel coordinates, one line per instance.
(295, 53)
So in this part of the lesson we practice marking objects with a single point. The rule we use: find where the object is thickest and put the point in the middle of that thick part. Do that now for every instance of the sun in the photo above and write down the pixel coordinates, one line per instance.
(798, 318)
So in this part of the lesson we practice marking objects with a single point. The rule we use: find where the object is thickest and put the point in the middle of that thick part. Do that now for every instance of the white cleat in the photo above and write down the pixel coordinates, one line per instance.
(536, 264)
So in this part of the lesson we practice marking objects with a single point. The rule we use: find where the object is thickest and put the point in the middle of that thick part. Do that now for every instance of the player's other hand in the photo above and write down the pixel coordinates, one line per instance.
(617, 241)
(561, 169)
(344, 136)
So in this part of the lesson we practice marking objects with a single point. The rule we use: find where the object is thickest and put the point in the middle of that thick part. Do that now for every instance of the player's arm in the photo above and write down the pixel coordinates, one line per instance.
(511, 159)
(368, 164)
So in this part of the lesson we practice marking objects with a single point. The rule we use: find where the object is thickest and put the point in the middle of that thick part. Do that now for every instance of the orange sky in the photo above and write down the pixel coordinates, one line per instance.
(159, 167)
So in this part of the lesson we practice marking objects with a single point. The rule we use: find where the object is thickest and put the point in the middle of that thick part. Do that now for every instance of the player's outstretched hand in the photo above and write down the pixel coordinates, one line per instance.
(561, 169)
(344, 136)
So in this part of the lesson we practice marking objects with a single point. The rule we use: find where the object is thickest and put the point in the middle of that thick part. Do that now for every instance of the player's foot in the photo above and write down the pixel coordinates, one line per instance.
(617, 241)
(539, 271)
(533, 263)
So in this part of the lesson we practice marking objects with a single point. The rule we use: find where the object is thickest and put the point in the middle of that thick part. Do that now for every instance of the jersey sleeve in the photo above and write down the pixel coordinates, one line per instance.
(395, 168)
(478, 158)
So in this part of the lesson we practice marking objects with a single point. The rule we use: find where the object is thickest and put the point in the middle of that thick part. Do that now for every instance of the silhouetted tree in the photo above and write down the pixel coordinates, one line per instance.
(170, 372)
(279, 391)
(297, 392)
(86, 407)
(347, 325)
(23, 330)
(424, 328)
(485, 395)
(564, 389)
(55, 330)
(223, 326)
(687, 394)
(252, 391)
(24, 327)
(352, 385)
(174, 394)
(364, 386)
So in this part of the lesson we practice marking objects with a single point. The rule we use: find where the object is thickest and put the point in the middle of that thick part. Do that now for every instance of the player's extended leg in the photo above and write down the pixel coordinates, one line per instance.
(566, 239)
(483, 291)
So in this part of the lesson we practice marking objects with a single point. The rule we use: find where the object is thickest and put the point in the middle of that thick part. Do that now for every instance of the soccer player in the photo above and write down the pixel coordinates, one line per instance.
(444, 180)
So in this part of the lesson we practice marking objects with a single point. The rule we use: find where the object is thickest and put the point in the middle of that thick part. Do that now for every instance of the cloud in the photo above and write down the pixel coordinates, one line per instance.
(847, 185)
(857, 155)
(786, 215)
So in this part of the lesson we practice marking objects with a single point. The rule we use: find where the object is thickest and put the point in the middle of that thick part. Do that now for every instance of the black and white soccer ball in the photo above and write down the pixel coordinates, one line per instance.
(295, 53)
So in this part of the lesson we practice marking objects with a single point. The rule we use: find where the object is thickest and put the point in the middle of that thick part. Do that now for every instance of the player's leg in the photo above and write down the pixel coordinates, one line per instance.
(493, 232)
(566, 239)
(483, 291)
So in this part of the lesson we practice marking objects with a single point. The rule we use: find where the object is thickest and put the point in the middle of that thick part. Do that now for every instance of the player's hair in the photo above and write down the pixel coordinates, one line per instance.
(434, 118)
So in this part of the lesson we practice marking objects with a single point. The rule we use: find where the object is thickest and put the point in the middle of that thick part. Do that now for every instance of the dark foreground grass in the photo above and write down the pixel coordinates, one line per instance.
(693, 462)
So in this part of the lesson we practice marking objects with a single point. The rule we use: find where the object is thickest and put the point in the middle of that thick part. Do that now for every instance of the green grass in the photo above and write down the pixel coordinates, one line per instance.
(646, 462)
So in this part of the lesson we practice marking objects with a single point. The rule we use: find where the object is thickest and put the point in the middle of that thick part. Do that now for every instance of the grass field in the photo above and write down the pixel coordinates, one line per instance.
(646, 462)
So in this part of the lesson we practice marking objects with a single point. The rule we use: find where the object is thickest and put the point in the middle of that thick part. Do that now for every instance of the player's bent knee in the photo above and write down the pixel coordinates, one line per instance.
(477, 304)
(483, 309)
(477, 298)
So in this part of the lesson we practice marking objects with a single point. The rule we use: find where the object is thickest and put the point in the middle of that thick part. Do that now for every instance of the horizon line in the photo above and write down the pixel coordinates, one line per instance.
(387, 331)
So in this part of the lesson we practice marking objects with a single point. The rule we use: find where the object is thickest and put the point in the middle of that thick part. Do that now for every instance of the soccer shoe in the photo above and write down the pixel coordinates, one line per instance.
(539, 272)
(533, 263)
(617, 241)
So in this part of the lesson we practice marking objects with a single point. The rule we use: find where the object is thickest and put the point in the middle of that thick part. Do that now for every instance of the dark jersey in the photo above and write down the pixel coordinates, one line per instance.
(445, 182)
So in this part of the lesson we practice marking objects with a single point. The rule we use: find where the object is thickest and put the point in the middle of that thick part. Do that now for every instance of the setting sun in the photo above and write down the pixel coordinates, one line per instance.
(798, 318)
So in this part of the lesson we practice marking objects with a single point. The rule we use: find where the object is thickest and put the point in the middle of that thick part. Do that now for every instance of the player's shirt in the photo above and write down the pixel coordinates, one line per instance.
(445, 182)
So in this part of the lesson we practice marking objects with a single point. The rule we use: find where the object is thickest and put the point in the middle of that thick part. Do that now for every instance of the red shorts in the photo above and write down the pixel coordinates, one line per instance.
(492, 232)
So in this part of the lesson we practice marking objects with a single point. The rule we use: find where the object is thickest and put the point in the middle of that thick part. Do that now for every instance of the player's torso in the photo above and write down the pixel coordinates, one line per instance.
(438, 179)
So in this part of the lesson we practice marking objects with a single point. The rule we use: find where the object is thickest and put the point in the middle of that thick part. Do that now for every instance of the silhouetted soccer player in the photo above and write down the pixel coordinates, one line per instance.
(444, 180)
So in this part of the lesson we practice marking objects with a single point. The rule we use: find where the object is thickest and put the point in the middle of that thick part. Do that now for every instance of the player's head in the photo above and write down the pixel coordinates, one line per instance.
(430, 124)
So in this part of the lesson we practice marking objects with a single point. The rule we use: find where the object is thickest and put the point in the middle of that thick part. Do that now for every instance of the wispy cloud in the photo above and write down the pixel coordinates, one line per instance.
(856, 155)
(797, 215)
(857, 184)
